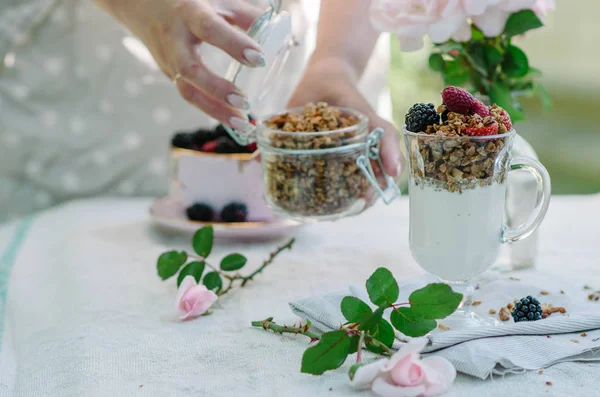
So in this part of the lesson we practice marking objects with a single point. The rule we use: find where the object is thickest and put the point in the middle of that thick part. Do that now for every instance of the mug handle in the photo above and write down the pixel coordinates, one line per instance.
(511, 235)
(391, 190)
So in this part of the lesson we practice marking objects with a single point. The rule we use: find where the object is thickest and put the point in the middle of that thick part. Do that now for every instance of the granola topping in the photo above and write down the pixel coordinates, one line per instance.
(447, 157)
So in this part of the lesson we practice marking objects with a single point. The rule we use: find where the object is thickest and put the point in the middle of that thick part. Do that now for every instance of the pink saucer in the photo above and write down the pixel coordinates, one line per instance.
(169, 214)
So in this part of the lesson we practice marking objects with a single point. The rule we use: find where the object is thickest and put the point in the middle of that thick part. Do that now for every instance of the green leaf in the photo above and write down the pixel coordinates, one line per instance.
(192, 269)
(354, 340)
(535, 72)
(434, 301)
(493, 55)
(477, 54)
(521, 22)
(168, 264)
(382, 287)
(355, 310)
(476, 34)
(384, 333)
(436, 62)
(233, 262)
(456, 73)
(213, 281)
(515, 64)
(449, 46)
(544, 95)
(203, 241)
(353, 369)
(330, 353)
(407, 322)
(501, 96)
(373, 320)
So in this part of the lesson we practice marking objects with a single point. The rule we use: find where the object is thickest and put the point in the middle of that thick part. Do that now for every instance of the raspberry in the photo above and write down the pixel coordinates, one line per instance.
(527, 309)
(252, 147)
(420, 116)
(480, 109)
(507, 121)
(200, 212)
(490, 129)
(209, 147)
(234, 212)
(458, 100)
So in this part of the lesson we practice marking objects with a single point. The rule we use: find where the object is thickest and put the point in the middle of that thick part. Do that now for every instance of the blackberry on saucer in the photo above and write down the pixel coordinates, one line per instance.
(234, 212)
(200, 212)
(420, 116)
(527, 309)
(226, 145)
(184, 140)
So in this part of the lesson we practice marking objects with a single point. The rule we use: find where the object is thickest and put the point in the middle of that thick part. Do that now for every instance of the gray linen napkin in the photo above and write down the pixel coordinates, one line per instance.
(488, 350)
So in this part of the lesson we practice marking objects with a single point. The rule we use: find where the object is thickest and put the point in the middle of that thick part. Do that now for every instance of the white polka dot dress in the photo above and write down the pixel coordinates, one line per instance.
(85, 109)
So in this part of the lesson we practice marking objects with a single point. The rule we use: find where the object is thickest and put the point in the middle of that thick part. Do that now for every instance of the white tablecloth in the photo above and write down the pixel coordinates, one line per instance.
(86, 314)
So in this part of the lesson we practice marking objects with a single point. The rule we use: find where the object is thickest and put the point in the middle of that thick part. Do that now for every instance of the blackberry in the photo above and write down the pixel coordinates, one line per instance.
(527, 309)
(184, 140)
(227, 145)
(203, 135)
(220, 131)
(200, 212)
(234, 212)
(420, 116)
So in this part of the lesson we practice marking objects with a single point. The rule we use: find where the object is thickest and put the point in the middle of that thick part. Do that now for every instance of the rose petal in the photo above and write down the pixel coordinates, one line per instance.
(201, 299)
(475, 7)
(414, 346)
(187, 283)
(408, 372)
(384, 389)
(516, 5)
(463, 33)
(365, 375)
(442, 30)
(492, 21)
(452, 9)
(439, 374)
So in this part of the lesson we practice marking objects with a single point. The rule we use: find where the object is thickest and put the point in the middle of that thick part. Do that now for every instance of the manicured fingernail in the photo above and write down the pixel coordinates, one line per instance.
(254, 58)
(239, 123)
(238, 101)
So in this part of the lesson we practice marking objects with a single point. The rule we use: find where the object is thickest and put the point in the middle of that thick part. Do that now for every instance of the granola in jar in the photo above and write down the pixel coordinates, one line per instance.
(310, 167)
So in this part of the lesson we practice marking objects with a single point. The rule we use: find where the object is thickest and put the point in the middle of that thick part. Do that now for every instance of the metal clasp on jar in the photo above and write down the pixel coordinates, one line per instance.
(391, 191)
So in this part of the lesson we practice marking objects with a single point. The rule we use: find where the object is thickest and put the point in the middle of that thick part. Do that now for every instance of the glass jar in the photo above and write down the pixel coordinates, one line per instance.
(323, 176)
(308, 176)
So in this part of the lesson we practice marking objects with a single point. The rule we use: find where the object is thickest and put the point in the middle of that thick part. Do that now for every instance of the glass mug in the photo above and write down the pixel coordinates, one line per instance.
(457, 192)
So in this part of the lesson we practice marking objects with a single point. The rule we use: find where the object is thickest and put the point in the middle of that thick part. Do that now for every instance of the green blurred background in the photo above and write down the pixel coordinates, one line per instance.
(567, 138)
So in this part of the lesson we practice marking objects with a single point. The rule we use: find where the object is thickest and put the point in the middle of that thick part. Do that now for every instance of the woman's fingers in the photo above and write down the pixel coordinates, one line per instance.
(216, 109)
(208, 26)
(393, 161)
(191, 69)
(239, 13)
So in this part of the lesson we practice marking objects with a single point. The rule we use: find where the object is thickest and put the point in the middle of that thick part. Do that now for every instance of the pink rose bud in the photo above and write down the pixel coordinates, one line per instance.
(193, 300)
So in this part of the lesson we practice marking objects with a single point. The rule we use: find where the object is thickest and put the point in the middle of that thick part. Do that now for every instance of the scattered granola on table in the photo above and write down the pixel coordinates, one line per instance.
(504, 314)
(314, 184)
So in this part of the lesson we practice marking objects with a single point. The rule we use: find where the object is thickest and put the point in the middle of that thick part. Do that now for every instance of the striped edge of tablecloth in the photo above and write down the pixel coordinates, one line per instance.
(7, 261)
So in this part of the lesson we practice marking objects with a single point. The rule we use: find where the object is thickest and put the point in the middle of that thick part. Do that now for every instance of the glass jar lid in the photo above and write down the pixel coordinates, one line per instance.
(273, 32)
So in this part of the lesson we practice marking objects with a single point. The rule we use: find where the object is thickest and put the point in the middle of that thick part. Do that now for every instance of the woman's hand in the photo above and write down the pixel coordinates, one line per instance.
(173, 30)
(333, 81)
